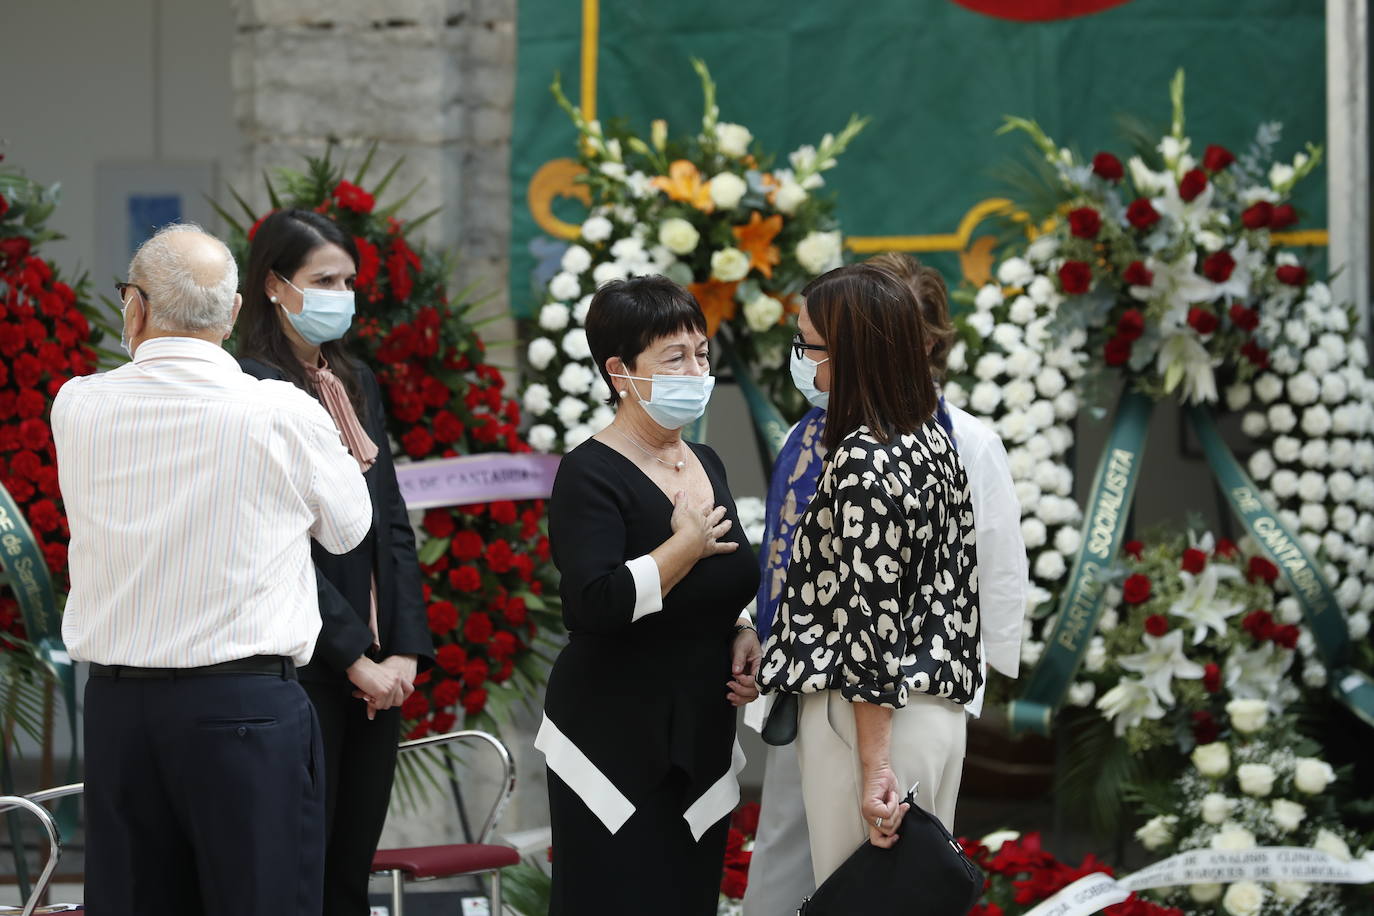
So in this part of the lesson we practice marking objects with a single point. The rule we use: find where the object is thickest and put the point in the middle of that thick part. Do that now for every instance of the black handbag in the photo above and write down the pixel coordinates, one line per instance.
(781, 725)
(925, 873)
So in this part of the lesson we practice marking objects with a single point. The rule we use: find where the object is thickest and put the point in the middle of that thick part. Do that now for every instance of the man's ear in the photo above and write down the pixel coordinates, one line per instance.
(234, 315)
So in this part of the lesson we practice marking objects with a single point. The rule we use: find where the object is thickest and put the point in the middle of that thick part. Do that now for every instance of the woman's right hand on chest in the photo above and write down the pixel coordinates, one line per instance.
(702, 526)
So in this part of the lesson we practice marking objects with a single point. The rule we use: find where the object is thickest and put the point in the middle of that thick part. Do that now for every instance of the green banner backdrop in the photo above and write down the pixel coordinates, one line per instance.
(936, 75)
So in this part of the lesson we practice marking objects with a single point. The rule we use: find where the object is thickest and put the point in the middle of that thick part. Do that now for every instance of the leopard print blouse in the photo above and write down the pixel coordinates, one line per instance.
(882, 592)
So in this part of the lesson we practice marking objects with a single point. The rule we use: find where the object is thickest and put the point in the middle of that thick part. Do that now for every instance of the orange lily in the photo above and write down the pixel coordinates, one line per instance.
(684, 183)
(717, 301)
(756, 240)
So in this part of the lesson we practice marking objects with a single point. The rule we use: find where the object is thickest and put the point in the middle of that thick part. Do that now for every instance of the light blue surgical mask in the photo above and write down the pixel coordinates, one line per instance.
(804, 377)
(326, 314)
(678, 399)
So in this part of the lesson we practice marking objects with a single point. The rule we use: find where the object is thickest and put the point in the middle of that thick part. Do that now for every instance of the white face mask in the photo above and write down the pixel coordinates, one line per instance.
(678, 399)
(325, 313)
(804, 377)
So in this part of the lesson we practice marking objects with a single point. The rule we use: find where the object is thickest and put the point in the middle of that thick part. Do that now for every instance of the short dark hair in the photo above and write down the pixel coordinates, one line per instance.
(625, 316)
(928, 286)
(282, 243)
(874, 334)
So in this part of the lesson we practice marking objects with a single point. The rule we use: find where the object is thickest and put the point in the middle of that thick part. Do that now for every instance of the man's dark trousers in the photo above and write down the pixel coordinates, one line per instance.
(204, 795)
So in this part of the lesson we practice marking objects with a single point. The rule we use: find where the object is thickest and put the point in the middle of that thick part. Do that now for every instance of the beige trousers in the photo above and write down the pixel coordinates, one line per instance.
(928, 737)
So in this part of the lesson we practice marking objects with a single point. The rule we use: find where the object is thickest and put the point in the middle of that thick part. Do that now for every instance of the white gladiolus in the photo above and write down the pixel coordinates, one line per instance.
(956, 395)
(1042, 249)
(678, 236)
(541, 352)
(988, 298)
(1066, 405)
(542, 437)
(1334, 389)
(1031, 652)
(1095, 659)
(1040, 415)
(1041, 291)
(607, 271)
(1217, 808)
(1243, 898)
(1008, 337)
(1018, 394)
(1028, 498)
(1313, 517)
(1287, 815)
(1019, 461)
(576, 436)
(1304, 389)
(554, 316)
(957, 359)
(1067, 541)
(729, 265)
(600, 418)
(1311, 776)
(727, 189)
(579, 311)
(1317, 362)
(1237, 396)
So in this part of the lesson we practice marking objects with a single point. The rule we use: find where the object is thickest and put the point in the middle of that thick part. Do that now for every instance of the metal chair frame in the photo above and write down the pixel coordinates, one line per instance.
(32, 803)
(488, 827)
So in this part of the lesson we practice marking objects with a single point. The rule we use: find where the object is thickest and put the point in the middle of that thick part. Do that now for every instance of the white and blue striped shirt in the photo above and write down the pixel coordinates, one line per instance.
(192, 490)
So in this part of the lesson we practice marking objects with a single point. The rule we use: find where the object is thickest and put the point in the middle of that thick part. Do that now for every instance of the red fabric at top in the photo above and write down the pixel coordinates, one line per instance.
(1038, 10)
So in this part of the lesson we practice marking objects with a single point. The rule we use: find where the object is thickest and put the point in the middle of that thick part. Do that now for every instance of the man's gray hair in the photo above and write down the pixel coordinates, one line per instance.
(190, 286)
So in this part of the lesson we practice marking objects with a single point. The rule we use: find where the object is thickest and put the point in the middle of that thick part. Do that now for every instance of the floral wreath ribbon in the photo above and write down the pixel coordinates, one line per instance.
(1104, 524)
(1206, 866)
(25, 570)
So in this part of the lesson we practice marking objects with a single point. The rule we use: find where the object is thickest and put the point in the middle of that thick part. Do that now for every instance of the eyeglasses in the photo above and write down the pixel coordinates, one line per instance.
(800, 346)
(123, 292)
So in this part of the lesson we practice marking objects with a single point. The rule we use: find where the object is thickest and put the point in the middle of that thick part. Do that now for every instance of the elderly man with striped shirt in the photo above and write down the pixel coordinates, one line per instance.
(193, 491)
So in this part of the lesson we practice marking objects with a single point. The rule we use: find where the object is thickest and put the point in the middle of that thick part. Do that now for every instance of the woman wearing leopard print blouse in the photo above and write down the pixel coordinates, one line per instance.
(878, 626)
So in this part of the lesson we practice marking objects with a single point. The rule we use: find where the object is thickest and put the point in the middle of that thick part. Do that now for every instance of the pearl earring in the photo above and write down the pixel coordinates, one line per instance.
(273, 299)
(623, 394)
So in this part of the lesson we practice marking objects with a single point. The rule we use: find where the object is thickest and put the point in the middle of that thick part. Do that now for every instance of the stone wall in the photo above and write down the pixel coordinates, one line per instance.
(431, 81)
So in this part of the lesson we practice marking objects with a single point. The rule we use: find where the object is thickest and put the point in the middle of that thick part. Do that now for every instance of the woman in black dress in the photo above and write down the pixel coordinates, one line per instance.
(297, 304)
(639, 720)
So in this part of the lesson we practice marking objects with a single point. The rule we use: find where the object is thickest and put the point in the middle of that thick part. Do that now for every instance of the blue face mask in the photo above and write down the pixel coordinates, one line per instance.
(678, 399)
(326, 314)
(804, 377)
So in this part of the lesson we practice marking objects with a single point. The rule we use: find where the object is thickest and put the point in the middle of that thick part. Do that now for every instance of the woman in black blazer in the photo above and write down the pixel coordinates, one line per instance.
(297, 304)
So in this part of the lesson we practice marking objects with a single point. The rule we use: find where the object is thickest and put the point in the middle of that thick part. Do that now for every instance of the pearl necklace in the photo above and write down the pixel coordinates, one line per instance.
(676, 467)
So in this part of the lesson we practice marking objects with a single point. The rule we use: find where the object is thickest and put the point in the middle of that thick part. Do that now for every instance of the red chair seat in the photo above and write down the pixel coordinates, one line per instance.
(445, 861)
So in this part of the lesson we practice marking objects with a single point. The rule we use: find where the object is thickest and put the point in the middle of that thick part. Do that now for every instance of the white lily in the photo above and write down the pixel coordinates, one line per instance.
(1190, 215)
(1161, 662)
(1183, 360)
(1178, 286)
(1257, 673)
(1128, 703)
(1199, 605)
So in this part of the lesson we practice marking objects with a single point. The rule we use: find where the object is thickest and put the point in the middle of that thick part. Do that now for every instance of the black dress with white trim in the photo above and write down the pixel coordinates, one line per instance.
(636, 725)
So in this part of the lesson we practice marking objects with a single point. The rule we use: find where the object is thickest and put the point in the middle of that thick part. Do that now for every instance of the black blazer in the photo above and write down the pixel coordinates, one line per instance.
(344, 581)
